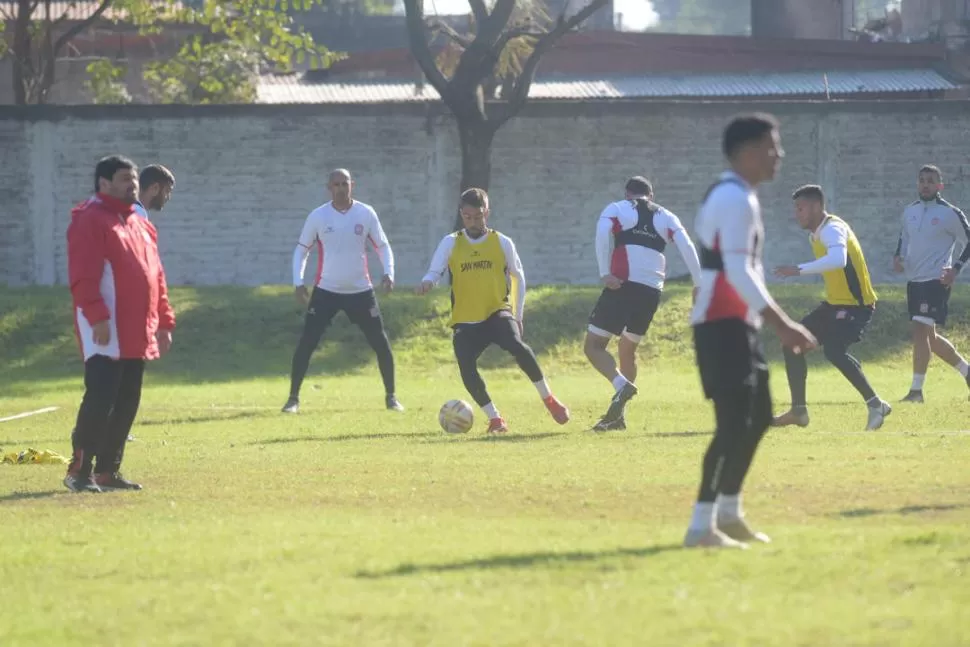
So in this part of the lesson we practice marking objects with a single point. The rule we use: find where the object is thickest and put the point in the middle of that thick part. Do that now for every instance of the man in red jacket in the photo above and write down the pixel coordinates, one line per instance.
(122, 318)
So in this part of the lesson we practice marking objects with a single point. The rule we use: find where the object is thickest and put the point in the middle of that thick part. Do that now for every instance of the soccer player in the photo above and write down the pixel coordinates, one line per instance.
(342, 230)
(122, 319)
(731, 305)
(155, 186)
(843, 317)
(931, 228)
(485, 269)
(631, 237)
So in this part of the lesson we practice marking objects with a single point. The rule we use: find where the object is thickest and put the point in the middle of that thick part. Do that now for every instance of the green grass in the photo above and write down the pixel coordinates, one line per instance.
(350, 525)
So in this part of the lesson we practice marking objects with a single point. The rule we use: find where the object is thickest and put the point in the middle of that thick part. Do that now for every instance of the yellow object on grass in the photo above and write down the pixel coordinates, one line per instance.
(31, 456)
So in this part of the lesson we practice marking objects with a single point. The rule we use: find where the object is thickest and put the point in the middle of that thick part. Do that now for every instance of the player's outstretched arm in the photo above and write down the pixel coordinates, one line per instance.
(835, 237)
(438, 266)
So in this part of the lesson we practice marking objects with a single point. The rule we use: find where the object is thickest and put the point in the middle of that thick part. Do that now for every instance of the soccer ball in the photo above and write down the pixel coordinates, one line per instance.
(456, 416)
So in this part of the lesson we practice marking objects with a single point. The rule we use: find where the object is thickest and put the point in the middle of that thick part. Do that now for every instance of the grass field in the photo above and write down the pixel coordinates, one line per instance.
(351, 525)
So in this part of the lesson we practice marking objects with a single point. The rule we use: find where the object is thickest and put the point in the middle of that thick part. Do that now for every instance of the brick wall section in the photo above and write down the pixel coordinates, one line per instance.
(16, 242)
(248, 175)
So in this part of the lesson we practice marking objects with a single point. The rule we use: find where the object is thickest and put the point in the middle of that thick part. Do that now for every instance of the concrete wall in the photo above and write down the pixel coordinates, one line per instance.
(248, 175)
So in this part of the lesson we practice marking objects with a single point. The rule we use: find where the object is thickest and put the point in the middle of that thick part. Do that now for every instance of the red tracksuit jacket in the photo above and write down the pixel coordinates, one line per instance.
(116, 275)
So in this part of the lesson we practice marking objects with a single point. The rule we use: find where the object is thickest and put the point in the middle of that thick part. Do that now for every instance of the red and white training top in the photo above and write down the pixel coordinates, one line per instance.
(116, 275)
(631, 240)
(730, 234)
(341, 239)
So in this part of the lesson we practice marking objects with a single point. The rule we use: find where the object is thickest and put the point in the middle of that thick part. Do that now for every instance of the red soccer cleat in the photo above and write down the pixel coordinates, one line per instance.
(557, 409)
(497, 426)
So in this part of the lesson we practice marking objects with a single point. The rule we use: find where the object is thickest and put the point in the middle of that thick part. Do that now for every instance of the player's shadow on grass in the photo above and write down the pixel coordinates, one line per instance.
(188, 420)
(524, 560)
(26, 496)
(905, 510)
(342, 438)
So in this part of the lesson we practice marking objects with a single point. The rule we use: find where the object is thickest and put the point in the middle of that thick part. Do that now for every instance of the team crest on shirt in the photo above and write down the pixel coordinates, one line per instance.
(359, 229)
(935, 221)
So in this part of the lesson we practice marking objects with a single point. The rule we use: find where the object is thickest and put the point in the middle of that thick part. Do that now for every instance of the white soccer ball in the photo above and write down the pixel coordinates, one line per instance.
(456, 416)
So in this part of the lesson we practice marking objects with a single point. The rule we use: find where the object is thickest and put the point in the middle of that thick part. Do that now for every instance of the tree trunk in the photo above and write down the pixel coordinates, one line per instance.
(475, 137)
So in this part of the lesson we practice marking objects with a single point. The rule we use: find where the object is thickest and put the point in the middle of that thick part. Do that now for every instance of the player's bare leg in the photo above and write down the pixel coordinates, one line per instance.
(595, 347)
(922, 333)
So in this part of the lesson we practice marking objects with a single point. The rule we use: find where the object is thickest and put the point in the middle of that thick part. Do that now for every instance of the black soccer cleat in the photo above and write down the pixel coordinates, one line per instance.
(292, 405)
(618, 403)
(915, 397)
(616, 425)
(393, 404)
(114, 481)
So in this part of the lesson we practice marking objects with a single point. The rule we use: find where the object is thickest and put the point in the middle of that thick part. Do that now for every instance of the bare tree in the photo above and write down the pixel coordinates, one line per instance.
(39, 38)
(484, 66)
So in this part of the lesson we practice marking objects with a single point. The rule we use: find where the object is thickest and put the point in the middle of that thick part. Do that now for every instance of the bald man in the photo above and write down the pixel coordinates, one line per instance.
(341, 231)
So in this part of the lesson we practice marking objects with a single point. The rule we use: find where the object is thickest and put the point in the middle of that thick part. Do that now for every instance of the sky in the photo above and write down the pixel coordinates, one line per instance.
(637, 14)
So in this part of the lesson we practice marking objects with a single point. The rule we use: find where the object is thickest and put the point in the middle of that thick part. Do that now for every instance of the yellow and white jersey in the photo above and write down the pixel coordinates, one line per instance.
(840, 261)
(486, 275)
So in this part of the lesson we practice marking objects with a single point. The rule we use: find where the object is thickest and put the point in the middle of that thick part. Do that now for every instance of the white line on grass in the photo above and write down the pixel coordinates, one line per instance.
(27, 414)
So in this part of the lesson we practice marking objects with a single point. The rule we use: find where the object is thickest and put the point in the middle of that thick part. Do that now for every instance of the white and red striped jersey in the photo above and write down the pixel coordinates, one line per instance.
(631, 240)
(341, 239)
(730, 234)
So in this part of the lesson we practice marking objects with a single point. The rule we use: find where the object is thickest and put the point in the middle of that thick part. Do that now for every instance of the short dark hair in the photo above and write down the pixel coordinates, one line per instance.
(475, 198)
(809, 192)
(108, 166)
(932, 168)
(639, 185)
(746, 128)
(155, 174)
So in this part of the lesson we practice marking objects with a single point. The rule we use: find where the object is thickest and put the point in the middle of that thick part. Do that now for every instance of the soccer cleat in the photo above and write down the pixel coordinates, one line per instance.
(710, 538)
(130, 438)
(392, 403)
(292, 405)
(877, 415)
(79, 483)
(738, 530)
(497, 426)
(616, 425)
(915, 397)
(557, 409)
(114, 481)
(618, 403)
(794, 416)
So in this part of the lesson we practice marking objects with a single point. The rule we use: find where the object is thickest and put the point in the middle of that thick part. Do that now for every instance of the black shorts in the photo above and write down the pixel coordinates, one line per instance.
(361, 308)
(838, 325)
(471, 339)
(628, 309)
(928, 300)
(729, 357)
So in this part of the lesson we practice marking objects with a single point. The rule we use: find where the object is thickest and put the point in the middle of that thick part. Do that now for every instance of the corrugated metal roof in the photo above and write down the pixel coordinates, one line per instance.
(75, 10)
(291, 89)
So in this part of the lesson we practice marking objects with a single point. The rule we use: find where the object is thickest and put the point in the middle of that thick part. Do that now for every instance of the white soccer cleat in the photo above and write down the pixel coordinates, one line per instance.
(877, 415)
(738, 530)
(797, 416)
(710, 538)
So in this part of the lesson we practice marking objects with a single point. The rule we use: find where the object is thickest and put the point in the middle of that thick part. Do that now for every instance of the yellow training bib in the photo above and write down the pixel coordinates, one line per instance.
(850, 286)
(479, 282)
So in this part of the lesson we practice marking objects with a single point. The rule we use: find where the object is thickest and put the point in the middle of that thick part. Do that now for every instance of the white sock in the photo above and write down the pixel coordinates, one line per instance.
(543, 388)
(490, 411)
(918, 382)
(729, 507)
(963, 367)
(703, 517)
(619, 381)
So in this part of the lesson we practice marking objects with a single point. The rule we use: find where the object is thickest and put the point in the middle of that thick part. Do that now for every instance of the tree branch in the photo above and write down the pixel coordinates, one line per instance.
(78, 27)
(479, 11)
(489, 31)
(448, 30)
(420, 48)
(520, 92)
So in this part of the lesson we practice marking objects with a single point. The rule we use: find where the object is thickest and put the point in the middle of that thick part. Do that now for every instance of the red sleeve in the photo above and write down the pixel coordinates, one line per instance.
(166, 316)
(85, 266)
